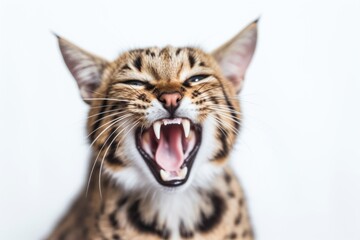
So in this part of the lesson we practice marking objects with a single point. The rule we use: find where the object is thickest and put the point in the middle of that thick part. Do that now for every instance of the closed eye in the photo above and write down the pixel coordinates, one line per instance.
(134, 82)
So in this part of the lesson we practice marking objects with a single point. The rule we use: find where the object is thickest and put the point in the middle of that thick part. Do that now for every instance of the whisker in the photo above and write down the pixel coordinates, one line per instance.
(109, 115)
(103, 159)
(202, 86)
(96, 159)
(130, 129)
(109, 99)
(137, 91)
(210, 89)
(230, 117)
(92, 91)
(100, 113)
(112, 121)
(117, 120)
(112, 104)
(101, 164)
(210, 97)
(222, 124)
(223, 109)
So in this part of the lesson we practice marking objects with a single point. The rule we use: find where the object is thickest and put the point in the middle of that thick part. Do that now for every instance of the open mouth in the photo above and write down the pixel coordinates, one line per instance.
(169, 148)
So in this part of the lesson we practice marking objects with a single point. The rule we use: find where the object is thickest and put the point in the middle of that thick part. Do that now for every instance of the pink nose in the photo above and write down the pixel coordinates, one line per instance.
(170, 100)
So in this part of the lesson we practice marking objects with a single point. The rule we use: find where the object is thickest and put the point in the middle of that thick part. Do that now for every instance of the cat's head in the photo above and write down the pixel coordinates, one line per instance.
(164, 118)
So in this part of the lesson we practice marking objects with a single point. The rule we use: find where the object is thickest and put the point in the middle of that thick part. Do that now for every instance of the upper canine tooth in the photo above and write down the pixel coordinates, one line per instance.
(186, 126)
(157, 126)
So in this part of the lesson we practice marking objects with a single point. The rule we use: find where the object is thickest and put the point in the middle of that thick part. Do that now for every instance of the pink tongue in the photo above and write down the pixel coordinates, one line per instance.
(169, 153)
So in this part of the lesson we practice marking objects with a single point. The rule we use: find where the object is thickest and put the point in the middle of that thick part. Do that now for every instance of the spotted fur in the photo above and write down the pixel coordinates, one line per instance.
(121, 199)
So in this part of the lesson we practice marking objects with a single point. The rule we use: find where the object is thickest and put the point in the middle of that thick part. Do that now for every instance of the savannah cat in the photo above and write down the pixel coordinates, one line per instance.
(162, 124)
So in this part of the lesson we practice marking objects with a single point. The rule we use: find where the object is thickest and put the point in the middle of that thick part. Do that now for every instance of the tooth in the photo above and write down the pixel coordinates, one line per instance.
(157, 126)
(186, 126)
(164, 175)
(183, 172)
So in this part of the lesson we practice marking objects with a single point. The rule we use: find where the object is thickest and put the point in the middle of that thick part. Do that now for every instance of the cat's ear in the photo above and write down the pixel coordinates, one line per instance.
(234, 56)
(86, 68)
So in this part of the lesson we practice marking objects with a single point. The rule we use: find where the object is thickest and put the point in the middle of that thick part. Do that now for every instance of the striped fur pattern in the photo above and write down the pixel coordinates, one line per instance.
(122, 199)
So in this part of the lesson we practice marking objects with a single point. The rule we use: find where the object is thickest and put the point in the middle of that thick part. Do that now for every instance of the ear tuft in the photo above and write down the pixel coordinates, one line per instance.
(234, 56)
(85, 67)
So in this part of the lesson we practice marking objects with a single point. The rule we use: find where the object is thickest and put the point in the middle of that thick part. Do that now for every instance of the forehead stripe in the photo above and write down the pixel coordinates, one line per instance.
(191, 60)
(138, 63)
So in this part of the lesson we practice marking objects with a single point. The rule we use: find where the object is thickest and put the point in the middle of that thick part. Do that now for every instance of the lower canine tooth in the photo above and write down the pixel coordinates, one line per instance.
(183, 172)
(164, 175)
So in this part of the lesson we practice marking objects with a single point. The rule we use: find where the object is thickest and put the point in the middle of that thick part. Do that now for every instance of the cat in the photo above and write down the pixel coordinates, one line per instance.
(162, 124)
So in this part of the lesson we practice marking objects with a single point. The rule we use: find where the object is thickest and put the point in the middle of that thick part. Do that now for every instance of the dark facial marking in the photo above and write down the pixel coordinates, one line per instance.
(224, 151)
(111, 158)
(113, 220)
(214, 100)
(184, 232)
(191, 60)
(116, 237)
(125, 67)
(163, 51)
(137, 50)
(122, 201)
(231, 194)
(138, 63)
(231, 107)
(232, 236)
(100, 116)
(202, 64)
(195, 93)
(187, 84)
(154, 73)
(142, 97)
(227, 177)
(149, 87)
(241, 202)
(156, 92)
(238, 219)
(134, 217)
(178, 51)
(180, 68)
(207, 223)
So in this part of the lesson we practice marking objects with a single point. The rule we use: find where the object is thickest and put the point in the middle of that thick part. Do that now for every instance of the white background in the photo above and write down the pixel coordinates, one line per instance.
(299, 152)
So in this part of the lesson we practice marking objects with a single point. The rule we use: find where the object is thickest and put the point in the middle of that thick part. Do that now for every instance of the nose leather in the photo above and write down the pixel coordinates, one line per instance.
(170, 100)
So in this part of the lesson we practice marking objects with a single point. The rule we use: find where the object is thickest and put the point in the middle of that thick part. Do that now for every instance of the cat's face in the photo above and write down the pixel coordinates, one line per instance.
(163, 117)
